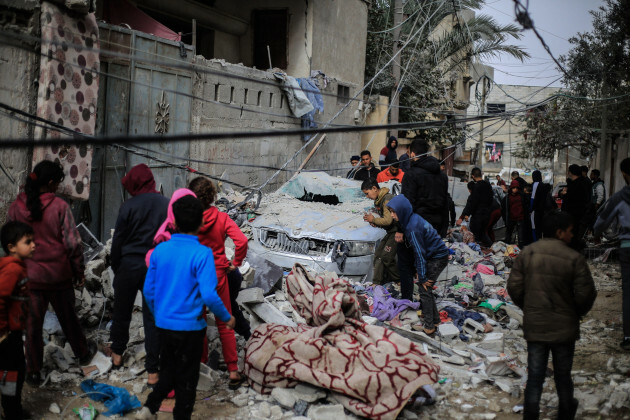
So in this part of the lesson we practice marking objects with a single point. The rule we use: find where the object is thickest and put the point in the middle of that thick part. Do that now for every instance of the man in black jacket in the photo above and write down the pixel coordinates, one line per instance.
(576, 200)
(479, 207)
(368, 170)
(426, 186)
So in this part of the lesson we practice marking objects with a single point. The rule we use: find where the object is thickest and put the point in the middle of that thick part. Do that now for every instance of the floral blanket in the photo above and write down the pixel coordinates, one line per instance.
(372, 371)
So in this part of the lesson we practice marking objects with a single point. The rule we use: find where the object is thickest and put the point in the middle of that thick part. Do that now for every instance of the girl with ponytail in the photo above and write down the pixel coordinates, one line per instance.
(56, 266)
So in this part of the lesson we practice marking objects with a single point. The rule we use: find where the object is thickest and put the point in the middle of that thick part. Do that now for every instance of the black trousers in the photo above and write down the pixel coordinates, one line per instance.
(242, 328)
(537, 359)
(479, 228)
(406, 269)
(127, 283)
(180, 356)
(427, 298)
(624, 259)
(12, 359)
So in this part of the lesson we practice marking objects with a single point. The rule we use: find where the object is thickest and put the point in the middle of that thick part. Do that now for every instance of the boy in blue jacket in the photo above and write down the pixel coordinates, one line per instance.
(181, 279)
(429, 253)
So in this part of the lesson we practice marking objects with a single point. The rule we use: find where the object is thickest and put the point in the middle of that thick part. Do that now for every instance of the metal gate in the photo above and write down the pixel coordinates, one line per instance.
(145, 93)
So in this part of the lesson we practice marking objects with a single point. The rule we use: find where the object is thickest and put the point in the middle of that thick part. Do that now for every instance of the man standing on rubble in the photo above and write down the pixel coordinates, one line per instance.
(368, 170)
(426, 186)
(138, 220)
(553, 285)
(479, 207)
(576, 200)
(385, 268)
(618, 208)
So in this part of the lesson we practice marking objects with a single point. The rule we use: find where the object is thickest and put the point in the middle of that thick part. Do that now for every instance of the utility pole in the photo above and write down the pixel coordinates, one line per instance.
(483, 111)
(398, 15)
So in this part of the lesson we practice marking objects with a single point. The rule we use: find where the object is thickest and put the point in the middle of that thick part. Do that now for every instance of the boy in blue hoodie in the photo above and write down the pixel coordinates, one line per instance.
(181, 279)
(430, 256)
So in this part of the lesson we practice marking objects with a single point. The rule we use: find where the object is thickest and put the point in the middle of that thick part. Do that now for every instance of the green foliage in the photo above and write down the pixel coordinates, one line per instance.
(432, 63)
(597, 66)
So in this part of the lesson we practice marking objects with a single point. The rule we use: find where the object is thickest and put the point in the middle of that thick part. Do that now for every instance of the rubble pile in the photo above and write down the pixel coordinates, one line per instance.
(479, 347)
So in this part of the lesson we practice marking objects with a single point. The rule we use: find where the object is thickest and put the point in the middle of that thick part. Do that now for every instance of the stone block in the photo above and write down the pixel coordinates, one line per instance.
(448, 331)
(251, 295)
(326, 412)
(492, 341)
(206, 379)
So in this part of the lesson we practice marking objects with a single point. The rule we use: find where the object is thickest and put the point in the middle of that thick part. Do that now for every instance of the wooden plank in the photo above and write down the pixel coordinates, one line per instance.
(310, 155)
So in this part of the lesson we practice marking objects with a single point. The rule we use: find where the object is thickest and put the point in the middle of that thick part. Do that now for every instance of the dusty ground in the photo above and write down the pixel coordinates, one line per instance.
(601, 371)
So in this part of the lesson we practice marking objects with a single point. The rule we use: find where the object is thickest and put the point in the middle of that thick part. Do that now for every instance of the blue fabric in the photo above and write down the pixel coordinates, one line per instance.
(117, 400)
(459, 316)
(315, 97)
(180, 280)
(425, 240)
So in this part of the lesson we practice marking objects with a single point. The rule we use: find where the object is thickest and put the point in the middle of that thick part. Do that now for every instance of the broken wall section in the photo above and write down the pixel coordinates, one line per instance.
(271, 112)
(19, 67)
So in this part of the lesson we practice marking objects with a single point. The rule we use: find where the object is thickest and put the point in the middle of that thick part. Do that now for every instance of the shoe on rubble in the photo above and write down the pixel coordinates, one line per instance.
(144, 414)
(625, 344)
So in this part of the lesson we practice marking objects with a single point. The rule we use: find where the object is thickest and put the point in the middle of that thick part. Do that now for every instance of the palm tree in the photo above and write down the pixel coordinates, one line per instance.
(445, 38)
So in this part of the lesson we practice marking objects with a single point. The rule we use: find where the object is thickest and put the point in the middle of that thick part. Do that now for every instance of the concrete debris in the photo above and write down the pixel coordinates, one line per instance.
(54, 408)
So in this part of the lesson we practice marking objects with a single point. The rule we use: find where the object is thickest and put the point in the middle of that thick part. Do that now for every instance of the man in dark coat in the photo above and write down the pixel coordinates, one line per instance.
(479, 208)
(368, 170)
(426, 186)
(553, 286)
(576, 200)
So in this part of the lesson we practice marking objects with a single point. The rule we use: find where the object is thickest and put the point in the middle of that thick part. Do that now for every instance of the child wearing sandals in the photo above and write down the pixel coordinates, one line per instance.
(217, 226)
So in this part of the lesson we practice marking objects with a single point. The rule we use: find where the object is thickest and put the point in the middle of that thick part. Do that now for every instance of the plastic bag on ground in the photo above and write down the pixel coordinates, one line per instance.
(117, 400)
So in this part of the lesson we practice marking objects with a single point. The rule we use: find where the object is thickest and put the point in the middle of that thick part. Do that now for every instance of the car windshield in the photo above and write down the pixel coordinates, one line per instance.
(323, 188)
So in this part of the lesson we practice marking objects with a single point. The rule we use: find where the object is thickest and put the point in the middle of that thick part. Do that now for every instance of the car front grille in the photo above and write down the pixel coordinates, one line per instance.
(279, 241)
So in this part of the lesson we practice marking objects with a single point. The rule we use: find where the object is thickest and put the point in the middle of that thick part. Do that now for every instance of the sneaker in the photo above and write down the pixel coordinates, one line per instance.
(145, 414)
(625, 344)
(92, 349)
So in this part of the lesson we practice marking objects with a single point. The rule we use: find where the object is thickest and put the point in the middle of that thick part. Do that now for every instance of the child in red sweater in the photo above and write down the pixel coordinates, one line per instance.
(217, 226)
(18, 244)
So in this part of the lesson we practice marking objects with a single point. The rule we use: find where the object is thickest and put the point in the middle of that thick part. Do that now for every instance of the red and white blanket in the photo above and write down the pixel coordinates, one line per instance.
(372, 371)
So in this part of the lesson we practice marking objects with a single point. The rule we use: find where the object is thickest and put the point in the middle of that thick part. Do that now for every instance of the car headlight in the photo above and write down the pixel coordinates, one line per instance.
(358, 249)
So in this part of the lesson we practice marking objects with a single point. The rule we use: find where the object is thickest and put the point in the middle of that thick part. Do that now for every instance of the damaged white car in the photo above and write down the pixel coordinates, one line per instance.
(317, 220)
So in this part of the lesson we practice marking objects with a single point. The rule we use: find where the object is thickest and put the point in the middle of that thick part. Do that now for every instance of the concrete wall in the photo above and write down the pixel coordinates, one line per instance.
(339, 37)
(274, 151)
(298, 34)
(508, 133)
(375, 140)
(19, 68)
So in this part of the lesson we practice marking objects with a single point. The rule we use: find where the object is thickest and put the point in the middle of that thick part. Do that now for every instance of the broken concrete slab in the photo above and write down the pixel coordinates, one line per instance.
(102, 363)
(269, 313)
(421, 337)
(251, 295)
(266, 273)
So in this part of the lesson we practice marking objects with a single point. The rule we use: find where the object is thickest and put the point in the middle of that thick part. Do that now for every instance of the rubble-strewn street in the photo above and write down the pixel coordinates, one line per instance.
(482, 363)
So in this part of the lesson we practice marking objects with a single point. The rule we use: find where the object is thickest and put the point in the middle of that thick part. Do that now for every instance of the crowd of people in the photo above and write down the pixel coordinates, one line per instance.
(550, 280)
(173, 251)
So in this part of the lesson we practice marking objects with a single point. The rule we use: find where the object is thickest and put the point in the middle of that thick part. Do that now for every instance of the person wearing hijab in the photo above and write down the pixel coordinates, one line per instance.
(138, 221)
(388, 153)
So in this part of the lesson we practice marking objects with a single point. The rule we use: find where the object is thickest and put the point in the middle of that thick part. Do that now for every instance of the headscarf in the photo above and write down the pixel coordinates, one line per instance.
(139, 180)
(168, 227)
